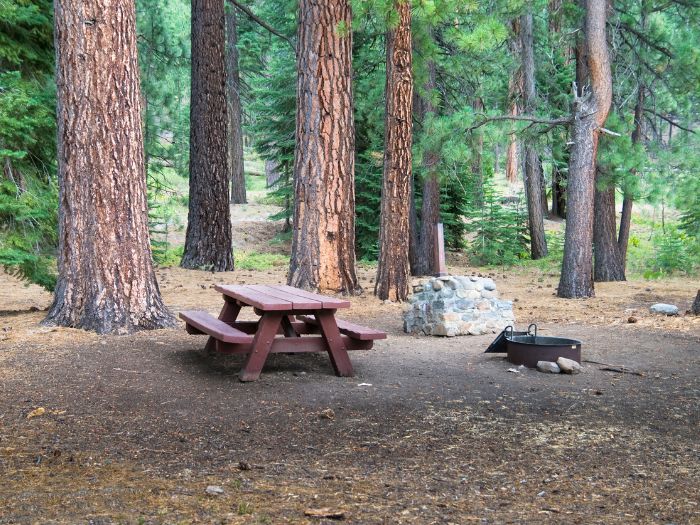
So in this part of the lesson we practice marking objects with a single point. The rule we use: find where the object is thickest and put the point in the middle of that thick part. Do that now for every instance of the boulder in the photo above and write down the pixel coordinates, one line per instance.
(548, 367)
(665, 309)
(569, 366)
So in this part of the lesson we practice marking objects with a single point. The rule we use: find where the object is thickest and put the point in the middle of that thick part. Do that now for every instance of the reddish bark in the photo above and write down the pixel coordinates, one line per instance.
(393, 269)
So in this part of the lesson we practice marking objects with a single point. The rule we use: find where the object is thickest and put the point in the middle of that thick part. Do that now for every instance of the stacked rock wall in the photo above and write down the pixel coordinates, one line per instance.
(456, 305)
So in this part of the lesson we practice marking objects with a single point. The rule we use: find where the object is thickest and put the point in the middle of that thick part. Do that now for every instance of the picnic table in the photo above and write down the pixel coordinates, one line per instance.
(291, 321)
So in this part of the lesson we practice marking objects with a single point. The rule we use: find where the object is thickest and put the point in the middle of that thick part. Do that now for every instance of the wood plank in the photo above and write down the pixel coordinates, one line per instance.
(206, 323)
(335, 344)
(356, 331)
(252, 297)
(262, 343)
(295, 345)
(328, 302)
(299, 302)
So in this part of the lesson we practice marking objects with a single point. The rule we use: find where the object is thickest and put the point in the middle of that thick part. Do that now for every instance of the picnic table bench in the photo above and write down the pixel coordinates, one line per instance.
(291, 321)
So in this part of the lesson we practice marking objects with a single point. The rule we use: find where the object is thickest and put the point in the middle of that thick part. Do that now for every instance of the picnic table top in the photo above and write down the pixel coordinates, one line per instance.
(275, 297)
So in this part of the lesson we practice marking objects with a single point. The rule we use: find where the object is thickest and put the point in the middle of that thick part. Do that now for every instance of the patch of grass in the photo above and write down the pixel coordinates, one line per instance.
(259, 261)
(170, 256)
(244, 508)
(255, 182)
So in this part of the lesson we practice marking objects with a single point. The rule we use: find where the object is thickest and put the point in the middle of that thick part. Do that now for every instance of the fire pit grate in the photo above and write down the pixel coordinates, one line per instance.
(527, 348)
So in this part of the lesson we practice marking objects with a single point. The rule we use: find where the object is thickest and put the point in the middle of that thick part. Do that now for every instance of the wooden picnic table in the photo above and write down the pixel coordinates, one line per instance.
(291, 321)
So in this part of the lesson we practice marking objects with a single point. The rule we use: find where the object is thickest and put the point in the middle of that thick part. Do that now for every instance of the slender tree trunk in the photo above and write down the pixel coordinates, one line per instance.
(393, 269)
(628, 198)
(477, 146)
(515, 88)
(106, 280)
(323, 245)
(590, 112)
(608, 262)
(413, 231)
(208, 240)
(235, 121)
(533, 175)
(272, 172)
(558, 182)
(696, 304)
(430, 210)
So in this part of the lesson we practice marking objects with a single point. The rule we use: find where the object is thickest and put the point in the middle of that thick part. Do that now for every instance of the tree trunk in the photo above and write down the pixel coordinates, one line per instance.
(558, 180)
(235, 123)
(515, 88)
(413, 231)
(477, 146)
(208, 239)
(533, 167)
(696, 304)
(589, 114)
(106, 280)
(430, 210)
(323, 245)
(608, 262)
(628, 199)
(272, 172)
(393, 270)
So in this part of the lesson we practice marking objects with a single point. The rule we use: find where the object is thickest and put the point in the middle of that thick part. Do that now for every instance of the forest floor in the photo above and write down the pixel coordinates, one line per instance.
(132, 429)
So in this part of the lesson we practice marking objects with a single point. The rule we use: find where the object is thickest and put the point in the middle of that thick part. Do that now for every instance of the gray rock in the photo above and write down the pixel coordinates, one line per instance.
(214, 490)
(548, 367)
(437, 285)
(488, 284)
(569, 366)
(418, 288)
(464, 304)
(666, 309)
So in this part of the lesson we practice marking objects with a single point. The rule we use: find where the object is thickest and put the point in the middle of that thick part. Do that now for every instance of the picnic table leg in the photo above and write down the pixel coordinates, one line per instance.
(229, 313)
(262, 342)
(288, 327)
(336, 348)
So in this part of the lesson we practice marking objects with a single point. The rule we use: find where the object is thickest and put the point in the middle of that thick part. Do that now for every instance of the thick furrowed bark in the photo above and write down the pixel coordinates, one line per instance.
(577, 266)
(393, 269)
(106, 281)
(323, 243)
(208, 240)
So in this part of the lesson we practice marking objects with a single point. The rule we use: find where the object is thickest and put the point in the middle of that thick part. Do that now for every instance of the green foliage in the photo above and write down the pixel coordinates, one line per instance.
(499, 233)
(674, 252)
(28, 232)
(28, 195)
(259, 261)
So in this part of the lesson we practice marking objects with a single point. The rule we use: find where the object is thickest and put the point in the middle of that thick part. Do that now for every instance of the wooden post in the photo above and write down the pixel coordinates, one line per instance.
(439, 261)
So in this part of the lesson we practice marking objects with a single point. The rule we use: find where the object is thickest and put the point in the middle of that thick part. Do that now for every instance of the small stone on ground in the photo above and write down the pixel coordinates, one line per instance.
(666, 309)
(569, 366)
(548, 367)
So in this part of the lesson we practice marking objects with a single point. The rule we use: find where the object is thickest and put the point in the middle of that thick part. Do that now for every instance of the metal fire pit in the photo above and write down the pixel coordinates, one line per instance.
(528, 349)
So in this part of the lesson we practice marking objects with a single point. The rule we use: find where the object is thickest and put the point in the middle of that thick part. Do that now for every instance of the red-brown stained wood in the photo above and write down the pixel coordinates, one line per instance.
(353, 330)
(235, 121)
(208, 240)
(106, 280)
(323, 241)
(590, 112)
(393, 271)
(208, 324)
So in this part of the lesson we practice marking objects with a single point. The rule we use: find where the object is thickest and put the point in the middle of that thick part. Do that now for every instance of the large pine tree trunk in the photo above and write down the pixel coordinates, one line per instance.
(323, 244)
(393, 270)
(533, 169)
(106, 280)
(208, 239)
(235, 121)
(608, 262)
(430, 209)
(590, 113)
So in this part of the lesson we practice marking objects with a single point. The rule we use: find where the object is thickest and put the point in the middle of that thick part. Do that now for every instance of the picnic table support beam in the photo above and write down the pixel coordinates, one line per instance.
(268, 327)
(336, 348)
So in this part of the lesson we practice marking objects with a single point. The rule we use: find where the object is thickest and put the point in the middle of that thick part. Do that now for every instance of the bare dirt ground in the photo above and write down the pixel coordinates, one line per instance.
(430, 430)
